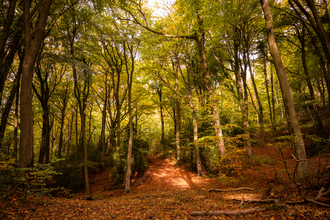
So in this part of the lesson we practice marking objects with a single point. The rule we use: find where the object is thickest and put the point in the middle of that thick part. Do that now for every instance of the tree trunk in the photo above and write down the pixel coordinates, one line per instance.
(178, 116)
(159, 91)
(245, 110)
(261, 110)
(5, 33)
(267, 91)
(210, 93)
(194, 117)
(9, 104)
(101, 144)
(16, 125)
(31, 51)
(315, 109)
(45, 136)
(297, 141)
(60, 145)
(130, 140)
(81, 95)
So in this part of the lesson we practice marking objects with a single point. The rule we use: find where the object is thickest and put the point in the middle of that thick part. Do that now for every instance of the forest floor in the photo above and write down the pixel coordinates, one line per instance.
(169, 191)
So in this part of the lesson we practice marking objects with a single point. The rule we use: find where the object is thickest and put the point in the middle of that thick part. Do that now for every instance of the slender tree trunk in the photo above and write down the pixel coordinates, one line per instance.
(261, 110)
(16, 125)
(245, 111)
(60, 145)
(159, 91)
(5, 33)
(210, 95)
(267, 91)
(104, 115)
(297, 142)
(178, 116)
(9, 104)
(70, 136)
(77, 134)
(273, 99)
(81, 92)
(194, 117)
(45, 136)
(315, 109)
(130, 140)
(320, 90)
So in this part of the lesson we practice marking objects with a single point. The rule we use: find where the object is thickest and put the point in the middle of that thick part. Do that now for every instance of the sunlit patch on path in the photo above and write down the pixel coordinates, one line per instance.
(165, 174)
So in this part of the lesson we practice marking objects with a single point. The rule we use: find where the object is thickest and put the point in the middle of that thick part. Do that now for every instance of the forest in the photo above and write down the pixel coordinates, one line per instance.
(164, 109)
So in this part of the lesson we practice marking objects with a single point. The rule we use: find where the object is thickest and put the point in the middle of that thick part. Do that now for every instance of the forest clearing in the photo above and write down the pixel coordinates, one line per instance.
(164, 109)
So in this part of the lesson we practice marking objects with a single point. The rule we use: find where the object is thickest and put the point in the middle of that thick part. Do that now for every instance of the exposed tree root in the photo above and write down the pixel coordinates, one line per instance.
(227, 212)
(231, 190)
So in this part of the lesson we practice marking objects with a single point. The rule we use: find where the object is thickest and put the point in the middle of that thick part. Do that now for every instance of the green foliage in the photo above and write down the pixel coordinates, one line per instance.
(35, 180)
(71, 174)
(262, 160)
(140, 150)
(8, 174)
(227, 179)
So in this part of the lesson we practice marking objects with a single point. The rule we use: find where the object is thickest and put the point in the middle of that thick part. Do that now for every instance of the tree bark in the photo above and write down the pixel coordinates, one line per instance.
(9, 103)
(315, 109)
(81, 95)
(297, 141)
(261, 110)
(64, 98)
(194, 117)
(13, 48)
(177, 111)
(101, 144)
(16, 125)
(130, 141)
(31, 51)
(210, 94)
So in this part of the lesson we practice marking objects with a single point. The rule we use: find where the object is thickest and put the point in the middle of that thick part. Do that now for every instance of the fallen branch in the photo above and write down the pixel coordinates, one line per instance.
(256, 200)
(243, 201)
(227, 212)
(231, 190)
(322, 193)
(300, 191)
(139, 182)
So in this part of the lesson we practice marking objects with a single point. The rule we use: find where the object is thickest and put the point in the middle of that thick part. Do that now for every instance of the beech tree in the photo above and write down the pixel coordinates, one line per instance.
(297, 141)
(32, 46)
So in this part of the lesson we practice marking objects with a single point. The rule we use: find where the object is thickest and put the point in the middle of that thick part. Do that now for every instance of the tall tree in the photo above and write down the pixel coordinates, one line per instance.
(32, 46)
(297, 140)
(129, 66)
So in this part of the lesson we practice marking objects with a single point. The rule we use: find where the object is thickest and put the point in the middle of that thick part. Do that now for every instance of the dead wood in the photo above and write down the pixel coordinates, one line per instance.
(227, 212)
(257, 200)
(322, 193)
(231, 190)
(141, 180)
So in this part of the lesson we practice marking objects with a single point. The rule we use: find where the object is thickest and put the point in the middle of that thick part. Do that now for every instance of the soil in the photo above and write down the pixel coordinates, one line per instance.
(169, 191)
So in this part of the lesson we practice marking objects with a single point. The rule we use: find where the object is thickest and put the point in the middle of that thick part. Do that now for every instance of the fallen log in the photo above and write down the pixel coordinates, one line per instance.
(231, 190)
(257, 200)
(227, 212)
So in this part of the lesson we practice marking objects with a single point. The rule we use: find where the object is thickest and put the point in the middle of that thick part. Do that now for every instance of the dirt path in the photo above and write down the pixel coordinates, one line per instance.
(164, 174)
(161, 175)
(165, 191)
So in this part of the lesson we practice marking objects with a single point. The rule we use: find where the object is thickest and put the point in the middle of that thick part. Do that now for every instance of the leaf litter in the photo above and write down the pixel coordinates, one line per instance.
(168, 191)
